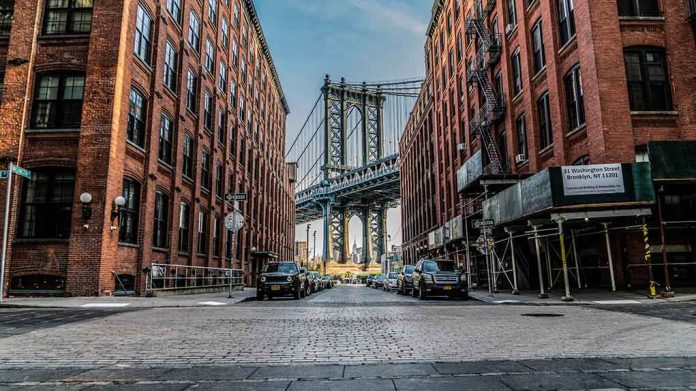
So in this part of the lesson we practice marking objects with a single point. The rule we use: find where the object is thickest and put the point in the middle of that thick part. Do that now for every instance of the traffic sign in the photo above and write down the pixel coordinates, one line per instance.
(3, 174)
(236, 197)
(483, 223)
(234, 221)
(22, 172)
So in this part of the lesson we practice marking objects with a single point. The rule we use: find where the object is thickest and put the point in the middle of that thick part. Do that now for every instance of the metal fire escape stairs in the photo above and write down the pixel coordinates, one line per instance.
(493, 108)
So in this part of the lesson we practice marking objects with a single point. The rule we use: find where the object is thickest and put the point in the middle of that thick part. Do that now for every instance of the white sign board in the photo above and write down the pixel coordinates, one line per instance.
(592, 179)
(234, 221)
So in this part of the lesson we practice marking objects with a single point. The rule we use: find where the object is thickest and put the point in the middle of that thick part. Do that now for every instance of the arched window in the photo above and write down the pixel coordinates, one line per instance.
(161, 216)
(129, 213)
(184, 228)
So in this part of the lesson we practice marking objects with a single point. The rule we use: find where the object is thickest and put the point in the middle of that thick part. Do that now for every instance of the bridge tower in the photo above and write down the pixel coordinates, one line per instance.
(339, 99)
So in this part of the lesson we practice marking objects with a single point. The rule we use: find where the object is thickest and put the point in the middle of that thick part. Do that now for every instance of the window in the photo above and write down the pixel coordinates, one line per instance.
(233, 93)
(544, 112)
(566, 20)
(143, 35)
(582, 161)
(46, 205)
(212, 11)
(128, 214)
(58, 101)
(170, 59)
(516, 72)
(136, 118)
(222, 84)
(225, 33)
(184, 227)
(192, 91)
(235, 53)
(217, 237)
(194, 34)
(638, 8)
(205, 169)
(511, 12)
(159, 233)
(68, 17)
(575, 102)
(236, 15)
(187, 163)
(209, 57)
(6, 12)
(208, 111)
(219, 174)
(648, 81)
(538, 47)
(202, 232)
(174, 8)
(521, 128)
(166, 133)
(459, 47)
(222, 123)
(243, 72)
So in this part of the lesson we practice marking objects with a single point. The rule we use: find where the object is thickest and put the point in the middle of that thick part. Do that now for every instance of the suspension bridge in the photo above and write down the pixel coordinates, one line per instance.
(347, 154)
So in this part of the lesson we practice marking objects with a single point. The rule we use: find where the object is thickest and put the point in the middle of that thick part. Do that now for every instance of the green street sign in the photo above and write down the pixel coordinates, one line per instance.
(22, 172)
(3, 174)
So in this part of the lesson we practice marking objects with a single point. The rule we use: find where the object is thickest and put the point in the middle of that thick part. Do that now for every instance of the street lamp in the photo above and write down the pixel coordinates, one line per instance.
(86, 199)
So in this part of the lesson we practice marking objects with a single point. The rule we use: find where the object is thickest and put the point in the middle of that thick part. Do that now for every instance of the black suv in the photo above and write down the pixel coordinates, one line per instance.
(281, 279)
(438, 277)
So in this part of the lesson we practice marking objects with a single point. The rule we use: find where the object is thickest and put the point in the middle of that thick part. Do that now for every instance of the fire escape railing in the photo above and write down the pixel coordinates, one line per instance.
(493, 108)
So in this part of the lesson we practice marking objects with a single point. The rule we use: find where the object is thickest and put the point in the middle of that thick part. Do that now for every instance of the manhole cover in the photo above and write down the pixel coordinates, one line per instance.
(543, 315)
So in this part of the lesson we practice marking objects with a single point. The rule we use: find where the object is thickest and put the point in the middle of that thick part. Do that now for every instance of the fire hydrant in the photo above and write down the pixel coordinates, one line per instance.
(653, 290)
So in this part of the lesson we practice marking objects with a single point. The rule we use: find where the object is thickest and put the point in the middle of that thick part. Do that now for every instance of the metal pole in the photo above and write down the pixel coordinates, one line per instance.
(515, 291)
(575, 256)
(234, 240)
(542, 294)
(611, 259)
(468, 255)
(485, 246)
(564, 263)
(5, 230)
(648, 258)
(307, 244)
(665, 264)
(547, 256)
(325, 206)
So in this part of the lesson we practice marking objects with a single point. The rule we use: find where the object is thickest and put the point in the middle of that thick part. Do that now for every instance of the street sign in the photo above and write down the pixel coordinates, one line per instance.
(22, 172)
(236, 197)
(483, 223)
(3, 174)
(234, 221)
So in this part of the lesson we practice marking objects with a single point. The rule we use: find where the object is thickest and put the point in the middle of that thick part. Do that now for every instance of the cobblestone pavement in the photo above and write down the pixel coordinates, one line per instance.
(683, 312)
(15, 321)
(343, 328)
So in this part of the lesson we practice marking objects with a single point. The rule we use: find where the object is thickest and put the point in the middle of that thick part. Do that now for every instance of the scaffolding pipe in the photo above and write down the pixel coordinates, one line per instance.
(547, 256)
(564, 263)
(611, 259)
(515, 291)
(542, 294)
(575, 257)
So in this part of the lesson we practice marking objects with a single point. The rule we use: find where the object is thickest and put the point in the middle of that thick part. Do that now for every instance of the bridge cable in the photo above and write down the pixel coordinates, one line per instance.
(303, 126)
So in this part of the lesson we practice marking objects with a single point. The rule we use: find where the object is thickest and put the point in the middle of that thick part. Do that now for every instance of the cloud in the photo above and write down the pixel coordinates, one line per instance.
(390, 15)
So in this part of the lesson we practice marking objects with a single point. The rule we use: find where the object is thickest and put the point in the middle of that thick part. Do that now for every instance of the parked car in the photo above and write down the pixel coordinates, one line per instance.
(370, 279)
(281, 279)
(328, 282)
(316, 283)
(438, 277)
(378, 282)
(405, 280)
(390, 281)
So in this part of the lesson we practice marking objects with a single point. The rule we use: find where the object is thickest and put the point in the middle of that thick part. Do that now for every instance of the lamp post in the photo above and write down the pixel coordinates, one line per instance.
(314, 247)
(307, 259)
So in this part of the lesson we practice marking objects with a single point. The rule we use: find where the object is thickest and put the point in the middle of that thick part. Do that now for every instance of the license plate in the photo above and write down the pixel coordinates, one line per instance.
(447, 288)
(275, 287)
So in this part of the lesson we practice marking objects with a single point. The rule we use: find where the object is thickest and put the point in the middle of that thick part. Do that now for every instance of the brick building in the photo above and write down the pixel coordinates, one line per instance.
(566, 82)
(168, 104)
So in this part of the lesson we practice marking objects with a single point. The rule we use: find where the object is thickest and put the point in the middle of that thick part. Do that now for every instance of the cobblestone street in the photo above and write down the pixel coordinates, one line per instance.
(329, 333)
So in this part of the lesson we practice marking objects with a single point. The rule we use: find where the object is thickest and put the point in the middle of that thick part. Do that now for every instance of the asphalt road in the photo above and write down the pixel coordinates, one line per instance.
(351, 337)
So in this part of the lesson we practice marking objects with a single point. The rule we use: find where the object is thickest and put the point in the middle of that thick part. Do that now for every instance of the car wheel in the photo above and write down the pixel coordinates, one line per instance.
(296, 296)
(302, 293)
(259, 296)
(421, 293)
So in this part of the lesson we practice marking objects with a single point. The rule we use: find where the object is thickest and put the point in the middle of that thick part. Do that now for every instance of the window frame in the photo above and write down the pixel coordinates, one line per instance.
(164, 153)
(545, 125)
(58, 121)
(646, 84)
(128, 229)
(56, 215)
(160, 215)
(538, 51)
(184, 240)
(70, 12)
(171, 60)
(575, 99)
(137, 118)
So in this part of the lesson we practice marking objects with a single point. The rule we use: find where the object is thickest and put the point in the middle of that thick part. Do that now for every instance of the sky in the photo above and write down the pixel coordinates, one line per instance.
(361, 40)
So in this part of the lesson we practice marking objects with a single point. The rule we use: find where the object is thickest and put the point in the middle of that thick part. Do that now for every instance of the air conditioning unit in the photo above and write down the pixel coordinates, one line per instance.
(521, 158)
(509, 28)
(461, 147)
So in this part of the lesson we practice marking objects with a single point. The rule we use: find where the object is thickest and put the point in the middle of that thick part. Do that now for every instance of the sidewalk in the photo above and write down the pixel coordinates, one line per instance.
(582, 297)
(195, 300)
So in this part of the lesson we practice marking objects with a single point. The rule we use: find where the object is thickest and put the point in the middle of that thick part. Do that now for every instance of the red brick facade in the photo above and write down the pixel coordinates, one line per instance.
(249, 146)
(612, 131)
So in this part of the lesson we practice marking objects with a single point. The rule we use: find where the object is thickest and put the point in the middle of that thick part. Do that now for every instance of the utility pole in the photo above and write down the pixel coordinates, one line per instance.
(314, 247)
(6, 224)
(307, 259)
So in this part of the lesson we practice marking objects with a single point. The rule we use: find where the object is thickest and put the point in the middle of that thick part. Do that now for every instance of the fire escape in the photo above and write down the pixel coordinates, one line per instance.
(493, 108)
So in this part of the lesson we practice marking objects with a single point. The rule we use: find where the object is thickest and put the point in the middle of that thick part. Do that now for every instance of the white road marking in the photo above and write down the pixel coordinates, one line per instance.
(104, 305)
(506, 301)
(617, 302)
(211, 303)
